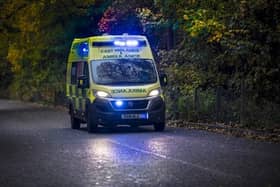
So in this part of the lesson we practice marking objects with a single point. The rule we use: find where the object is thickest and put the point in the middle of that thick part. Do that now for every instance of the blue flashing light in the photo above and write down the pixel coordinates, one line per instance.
(83, 49)
(119, 103)
(128, 43)
(119, 43)
(132, 43)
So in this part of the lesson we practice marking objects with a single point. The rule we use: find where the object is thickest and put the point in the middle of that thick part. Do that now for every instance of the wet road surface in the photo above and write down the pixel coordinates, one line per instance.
(38, 148)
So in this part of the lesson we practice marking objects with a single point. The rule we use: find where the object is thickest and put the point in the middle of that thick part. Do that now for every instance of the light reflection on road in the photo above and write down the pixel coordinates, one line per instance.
(101, 148)
(157, 145)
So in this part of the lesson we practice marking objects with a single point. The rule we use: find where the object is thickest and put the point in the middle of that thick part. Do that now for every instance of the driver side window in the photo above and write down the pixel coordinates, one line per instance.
(78, 69)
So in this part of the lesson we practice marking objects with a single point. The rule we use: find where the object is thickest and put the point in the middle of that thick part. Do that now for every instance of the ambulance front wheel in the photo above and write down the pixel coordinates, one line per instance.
(91, 123)
(159, 127)
(75, 123)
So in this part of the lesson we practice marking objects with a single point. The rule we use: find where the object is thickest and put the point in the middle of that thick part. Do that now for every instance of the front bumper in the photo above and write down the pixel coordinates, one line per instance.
(108, 114)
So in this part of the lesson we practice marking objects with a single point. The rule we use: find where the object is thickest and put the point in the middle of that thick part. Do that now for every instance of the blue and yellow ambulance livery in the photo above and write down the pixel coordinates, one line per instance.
(113, 80)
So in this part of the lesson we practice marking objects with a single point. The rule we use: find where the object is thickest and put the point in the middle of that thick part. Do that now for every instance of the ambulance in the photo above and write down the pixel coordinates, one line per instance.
(112, 80)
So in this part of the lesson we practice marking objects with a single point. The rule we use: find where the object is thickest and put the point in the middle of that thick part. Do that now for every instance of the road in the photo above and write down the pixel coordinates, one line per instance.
(39, 149)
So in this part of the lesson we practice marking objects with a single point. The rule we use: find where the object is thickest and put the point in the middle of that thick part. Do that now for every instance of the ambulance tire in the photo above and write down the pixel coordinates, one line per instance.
(91, 123)
(159, 127)
(75, 123)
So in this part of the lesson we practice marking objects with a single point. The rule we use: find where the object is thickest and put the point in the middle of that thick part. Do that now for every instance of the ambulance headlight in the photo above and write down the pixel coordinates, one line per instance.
(132, 43)
(101, 94)
(154, 92)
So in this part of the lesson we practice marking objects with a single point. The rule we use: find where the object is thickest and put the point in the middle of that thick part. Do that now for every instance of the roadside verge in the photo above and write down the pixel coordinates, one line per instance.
(271, 135)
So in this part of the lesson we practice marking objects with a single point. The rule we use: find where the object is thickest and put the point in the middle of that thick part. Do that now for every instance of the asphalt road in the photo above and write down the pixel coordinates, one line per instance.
(38, 148)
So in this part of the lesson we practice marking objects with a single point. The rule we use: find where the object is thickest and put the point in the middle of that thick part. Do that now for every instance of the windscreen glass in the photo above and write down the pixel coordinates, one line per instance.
(123, 71)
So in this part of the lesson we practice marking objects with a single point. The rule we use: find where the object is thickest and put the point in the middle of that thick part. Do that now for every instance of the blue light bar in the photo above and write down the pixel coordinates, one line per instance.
(132, 43)
(119, 43)
(128, 43)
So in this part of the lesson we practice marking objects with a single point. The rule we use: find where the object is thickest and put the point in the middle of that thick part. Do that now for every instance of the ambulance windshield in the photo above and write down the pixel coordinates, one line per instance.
(123, 71)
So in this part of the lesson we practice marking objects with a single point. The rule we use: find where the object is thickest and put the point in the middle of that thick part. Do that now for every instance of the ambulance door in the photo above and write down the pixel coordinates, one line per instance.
(79, 94)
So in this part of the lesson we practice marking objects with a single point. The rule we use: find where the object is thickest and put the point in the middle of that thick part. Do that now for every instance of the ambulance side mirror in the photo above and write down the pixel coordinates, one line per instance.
(83, 82)
(163, 79)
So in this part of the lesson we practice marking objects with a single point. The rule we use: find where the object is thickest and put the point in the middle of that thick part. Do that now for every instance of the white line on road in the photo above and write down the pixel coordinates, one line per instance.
(214, 171)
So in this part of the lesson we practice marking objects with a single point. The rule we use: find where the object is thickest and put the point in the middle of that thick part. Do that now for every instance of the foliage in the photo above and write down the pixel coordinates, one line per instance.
(39, 36)
(120, 18)
(154, 25)
(5, 67)
(229, 44)
(197, 23)
(224, 65)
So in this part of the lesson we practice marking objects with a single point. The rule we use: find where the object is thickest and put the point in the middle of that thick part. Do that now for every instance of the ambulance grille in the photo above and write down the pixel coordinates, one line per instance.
(131, 105)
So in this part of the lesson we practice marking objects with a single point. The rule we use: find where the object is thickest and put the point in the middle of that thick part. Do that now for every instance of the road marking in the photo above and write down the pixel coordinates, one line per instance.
(214, 171)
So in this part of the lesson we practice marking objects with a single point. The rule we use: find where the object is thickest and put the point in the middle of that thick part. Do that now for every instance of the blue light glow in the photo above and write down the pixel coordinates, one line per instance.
(119, 103)
(83, 49)
(128, 43)
(132, 43)
(144, 116)
(119, 43)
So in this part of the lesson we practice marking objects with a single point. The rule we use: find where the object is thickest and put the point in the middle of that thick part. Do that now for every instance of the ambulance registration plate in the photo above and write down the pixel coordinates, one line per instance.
(135, 116)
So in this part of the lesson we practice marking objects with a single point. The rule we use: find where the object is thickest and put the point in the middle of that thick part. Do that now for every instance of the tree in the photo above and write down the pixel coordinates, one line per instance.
(39, 37)
(121, 17)
(232, 44)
